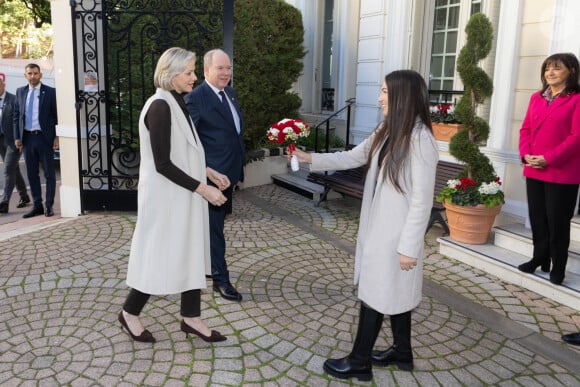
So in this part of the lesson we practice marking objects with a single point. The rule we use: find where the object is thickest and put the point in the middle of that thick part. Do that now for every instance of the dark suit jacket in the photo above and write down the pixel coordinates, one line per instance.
(47, 116)
(8, 119)
(223, 146)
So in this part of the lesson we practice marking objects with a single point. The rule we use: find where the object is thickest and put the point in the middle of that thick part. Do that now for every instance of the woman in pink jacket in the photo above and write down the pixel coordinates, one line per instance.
(550, 151)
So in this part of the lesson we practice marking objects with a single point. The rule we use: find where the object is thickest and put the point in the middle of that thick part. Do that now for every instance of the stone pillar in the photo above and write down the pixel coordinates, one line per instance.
(70, 201)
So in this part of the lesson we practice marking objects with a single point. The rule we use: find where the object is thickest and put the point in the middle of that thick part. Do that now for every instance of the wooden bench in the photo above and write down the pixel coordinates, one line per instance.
(445, 171)
(350, 182)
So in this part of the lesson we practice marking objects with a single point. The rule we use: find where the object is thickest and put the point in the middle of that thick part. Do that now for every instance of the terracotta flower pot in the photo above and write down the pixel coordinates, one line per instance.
(470, 224)
(444, 132)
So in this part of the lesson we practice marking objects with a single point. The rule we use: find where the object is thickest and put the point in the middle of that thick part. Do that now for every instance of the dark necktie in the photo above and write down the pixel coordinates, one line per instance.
(226, 103)
(1, 107)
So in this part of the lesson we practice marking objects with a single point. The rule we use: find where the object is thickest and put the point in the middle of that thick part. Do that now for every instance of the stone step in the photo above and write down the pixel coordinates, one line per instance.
(575, 229)
(517, 238)
(297, 182)
(503, 263)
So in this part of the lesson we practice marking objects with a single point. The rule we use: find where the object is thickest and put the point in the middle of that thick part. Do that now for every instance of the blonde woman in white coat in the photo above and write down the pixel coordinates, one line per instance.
(401, 158)
(170, 247)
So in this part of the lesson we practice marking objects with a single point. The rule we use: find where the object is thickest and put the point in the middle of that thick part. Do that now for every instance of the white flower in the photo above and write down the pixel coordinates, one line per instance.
(283, 131)
(489, 188)
(453, 183)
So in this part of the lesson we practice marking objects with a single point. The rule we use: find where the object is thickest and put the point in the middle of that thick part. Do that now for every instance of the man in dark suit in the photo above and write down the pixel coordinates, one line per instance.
(215, 111)
(10, 155)
(35, 120)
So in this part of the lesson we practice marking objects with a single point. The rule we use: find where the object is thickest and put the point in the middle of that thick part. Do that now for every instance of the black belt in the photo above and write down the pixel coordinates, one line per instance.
(33, 131)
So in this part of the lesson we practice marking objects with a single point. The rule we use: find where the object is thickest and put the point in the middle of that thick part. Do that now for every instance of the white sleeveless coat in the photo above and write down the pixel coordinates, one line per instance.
(170, 247)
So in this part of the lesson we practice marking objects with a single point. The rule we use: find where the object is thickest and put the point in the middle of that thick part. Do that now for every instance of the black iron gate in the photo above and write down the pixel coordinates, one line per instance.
(116, 46)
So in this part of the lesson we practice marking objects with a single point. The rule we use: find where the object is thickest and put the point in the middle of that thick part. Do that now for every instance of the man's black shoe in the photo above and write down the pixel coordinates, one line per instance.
(227, 291)
(572, 338)
(49, 212)
(35, 211)
(3, 208)
(24, 200)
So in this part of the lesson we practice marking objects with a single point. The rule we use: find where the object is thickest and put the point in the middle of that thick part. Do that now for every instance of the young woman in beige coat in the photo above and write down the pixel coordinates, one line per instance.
(401, 158)
(170, 247)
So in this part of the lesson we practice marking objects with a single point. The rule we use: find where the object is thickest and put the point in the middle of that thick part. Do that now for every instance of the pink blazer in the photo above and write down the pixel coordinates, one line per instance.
(554, 132)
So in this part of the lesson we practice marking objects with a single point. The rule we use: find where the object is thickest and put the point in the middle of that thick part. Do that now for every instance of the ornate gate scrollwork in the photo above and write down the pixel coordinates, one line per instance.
(116, 45)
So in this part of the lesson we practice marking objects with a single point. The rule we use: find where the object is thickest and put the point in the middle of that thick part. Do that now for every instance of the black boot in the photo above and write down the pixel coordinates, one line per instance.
(358, 363)
(546, 266)
(532, 265)
(558, 269)
(400, 353)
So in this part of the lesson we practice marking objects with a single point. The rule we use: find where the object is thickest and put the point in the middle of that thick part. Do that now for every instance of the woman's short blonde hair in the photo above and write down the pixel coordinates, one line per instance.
(171, 63)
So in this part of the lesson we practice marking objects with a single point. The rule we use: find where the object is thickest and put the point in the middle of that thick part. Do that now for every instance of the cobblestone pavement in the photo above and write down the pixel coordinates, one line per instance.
(62, 286)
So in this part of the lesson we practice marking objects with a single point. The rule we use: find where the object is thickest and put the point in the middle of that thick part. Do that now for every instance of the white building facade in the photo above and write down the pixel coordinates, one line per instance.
(370, 38)
(352, 44)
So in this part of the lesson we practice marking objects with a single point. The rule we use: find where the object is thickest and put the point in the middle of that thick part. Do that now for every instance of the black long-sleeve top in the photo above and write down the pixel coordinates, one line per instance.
(156, 120)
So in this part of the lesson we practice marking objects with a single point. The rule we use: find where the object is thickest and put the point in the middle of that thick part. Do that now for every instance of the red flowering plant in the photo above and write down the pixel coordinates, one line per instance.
(465, 192)
(444, 112)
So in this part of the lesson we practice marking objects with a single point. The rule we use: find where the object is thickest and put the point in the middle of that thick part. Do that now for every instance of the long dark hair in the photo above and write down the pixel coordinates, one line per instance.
(569, 61)
(408, 101)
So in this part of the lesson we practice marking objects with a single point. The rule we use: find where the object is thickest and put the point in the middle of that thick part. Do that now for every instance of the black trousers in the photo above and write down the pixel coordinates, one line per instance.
(190, 302)
(217, 216)
(551, 207)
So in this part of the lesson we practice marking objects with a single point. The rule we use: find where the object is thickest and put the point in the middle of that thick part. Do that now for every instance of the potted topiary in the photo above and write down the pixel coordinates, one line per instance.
(474, 199)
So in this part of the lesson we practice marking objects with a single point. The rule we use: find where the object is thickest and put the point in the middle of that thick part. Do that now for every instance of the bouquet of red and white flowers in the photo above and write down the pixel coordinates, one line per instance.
(288, 131)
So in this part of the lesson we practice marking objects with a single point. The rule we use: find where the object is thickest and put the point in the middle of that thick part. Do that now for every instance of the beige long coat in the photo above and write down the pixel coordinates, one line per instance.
(170, 247)
(391, 223)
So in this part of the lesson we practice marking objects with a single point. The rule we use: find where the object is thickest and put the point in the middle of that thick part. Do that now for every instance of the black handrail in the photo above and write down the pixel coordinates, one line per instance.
(447, 94)
(349, 102)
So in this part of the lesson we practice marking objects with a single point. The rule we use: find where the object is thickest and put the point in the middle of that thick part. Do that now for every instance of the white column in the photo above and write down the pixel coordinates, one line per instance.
(566, 27)
(398, 34)
(308, 84)
(504, 81)
(70, 202)
(383, 47)
(502, 101)
(346, 25)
